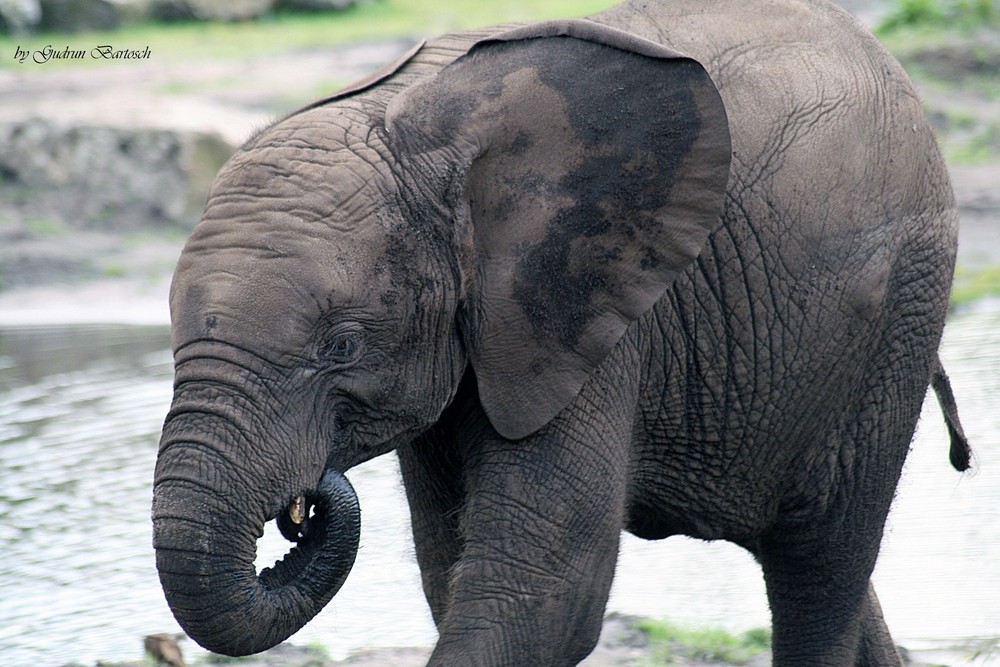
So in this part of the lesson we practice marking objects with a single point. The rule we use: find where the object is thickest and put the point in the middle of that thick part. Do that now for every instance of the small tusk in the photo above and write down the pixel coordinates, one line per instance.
(297, 510)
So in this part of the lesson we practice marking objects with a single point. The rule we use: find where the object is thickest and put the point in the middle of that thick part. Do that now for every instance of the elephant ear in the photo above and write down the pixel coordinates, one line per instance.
(585, 168)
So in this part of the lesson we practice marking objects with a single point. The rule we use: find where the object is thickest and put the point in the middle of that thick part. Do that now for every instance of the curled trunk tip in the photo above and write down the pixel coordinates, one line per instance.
(210, 582)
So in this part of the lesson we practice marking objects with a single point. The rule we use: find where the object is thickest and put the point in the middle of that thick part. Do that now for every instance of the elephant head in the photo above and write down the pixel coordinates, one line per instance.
(508, 216)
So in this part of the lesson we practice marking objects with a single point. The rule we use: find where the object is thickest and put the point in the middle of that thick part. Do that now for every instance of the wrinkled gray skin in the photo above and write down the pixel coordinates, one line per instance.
(681, 268)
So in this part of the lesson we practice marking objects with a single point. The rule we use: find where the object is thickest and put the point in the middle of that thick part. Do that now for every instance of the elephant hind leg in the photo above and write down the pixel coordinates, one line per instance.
(818, 563)
(817, 568)
(824, 609)
(877, 646)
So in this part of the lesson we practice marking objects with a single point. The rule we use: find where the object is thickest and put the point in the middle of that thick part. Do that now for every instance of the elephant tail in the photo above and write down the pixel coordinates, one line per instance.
(961, 452)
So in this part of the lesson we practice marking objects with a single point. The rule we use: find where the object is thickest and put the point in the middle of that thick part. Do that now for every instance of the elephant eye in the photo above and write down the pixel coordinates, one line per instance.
(342, 349)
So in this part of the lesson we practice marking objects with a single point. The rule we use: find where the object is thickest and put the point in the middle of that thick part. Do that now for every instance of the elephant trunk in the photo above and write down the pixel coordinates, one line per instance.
(205, 552)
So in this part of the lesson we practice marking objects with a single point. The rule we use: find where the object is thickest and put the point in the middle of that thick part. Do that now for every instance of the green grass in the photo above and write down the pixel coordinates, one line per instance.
(973, 284)
(959, 120)
(319, 649)
(668, 640)
(951, 60)
(950, 42)
(951, 49)
(114, 270)
(43, 227)
(984, 647)
(289, 31)
(980, 147)
(939, 14)
(313, 653)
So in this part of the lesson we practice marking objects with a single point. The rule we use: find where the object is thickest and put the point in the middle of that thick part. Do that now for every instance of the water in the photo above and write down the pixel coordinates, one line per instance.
(80, 413)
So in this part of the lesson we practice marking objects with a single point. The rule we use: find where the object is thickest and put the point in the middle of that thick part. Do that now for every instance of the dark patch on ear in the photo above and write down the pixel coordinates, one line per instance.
(520, 144)
(652, 132)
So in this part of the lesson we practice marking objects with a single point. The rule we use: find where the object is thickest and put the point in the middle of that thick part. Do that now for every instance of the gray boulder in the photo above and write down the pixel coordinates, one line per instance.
(318, 5)
(19, 16)
(80, 15)
(210, 10)
(104, 179)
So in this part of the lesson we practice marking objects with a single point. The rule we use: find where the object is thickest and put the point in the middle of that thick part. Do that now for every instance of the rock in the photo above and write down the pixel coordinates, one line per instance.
(163, 647)
(80, 15)
(397, 657)
(318, 5)
(103, 178)
(19, 16)
(282, 655)
(621, 643)
(210, 10)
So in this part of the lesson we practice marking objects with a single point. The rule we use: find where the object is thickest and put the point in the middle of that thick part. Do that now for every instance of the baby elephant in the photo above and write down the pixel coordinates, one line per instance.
(677, 268)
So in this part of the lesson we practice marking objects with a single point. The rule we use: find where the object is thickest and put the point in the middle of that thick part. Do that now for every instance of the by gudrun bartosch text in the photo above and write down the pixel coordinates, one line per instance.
(101, 52)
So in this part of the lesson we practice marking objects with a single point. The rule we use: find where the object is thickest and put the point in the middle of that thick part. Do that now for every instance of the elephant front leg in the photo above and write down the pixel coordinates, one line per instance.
(432, 475)
(541, 525)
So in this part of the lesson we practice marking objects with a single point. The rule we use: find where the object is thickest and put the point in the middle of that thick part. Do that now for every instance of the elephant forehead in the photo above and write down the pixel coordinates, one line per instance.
(339, 188)
(291, 231)
(254, 282)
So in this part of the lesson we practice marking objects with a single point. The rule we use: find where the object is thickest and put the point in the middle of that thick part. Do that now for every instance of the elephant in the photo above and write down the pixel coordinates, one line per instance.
(673, 269)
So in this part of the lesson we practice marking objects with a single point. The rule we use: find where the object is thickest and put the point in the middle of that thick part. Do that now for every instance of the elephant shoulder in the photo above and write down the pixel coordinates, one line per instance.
(781, 53)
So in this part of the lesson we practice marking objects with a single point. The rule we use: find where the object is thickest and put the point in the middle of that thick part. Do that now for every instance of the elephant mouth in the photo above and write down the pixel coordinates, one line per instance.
(301, 518)
(324, 526)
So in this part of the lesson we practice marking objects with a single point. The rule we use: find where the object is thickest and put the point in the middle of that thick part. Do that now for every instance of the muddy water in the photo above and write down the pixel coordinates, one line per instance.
(80, 412)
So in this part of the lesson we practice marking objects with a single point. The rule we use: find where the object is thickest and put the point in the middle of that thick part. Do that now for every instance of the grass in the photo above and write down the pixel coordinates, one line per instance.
(289, 31)
(313, 653)
(939, 15)
(114, 270)
(668, 640)
(980, 147)
(44, 227)
(964, 60)
(954, 51)
(951, 41)
(984, 647)
(974, 284)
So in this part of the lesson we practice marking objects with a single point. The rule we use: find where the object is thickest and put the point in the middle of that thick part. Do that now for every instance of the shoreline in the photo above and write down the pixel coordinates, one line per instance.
(108, 301)
(621, 643)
